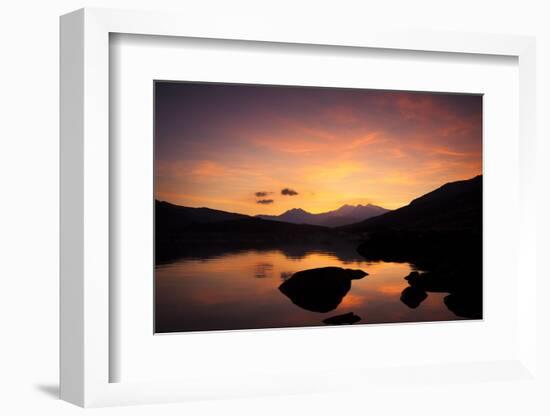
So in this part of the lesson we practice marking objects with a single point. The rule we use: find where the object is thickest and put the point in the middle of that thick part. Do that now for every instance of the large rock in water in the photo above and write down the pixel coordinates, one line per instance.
(320, 290)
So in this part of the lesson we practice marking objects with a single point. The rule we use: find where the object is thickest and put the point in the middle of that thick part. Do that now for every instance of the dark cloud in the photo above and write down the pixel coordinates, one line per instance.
(288, 192)
(262, 194)
(264, 201)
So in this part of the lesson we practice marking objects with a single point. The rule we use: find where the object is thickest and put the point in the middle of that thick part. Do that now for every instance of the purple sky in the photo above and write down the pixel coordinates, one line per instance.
(218, 145)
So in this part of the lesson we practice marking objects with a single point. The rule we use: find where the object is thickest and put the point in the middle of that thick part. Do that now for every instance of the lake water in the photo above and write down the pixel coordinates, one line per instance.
(240, 290)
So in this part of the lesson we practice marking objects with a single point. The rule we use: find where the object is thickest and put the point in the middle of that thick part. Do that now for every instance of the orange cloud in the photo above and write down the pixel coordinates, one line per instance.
(208, 168)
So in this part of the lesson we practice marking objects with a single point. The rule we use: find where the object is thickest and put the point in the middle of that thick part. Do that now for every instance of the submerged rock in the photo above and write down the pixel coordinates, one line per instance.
(320, 290)
(344, 319)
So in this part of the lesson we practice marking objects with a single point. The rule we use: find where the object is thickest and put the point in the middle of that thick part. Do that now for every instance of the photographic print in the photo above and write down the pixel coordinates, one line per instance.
(293, 206)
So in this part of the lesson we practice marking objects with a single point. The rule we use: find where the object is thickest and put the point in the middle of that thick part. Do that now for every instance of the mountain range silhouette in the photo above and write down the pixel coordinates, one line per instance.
(346, 214)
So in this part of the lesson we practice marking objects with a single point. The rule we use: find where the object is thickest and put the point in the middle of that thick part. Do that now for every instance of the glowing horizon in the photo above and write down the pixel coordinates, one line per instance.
(256, 149)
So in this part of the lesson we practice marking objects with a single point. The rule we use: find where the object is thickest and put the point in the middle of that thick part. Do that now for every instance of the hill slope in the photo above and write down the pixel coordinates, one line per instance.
(455, 206)
(443, 226)
(182, 230)
(178, 216)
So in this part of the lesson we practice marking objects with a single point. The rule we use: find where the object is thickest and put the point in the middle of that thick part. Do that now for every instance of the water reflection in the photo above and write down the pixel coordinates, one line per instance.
(263, 270)
(236, 290)
(344, 250)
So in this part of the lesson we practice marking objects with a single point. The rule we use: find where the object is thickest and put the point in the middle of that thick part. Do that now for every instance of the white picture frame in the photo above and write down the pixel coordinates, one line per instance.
(85, 211)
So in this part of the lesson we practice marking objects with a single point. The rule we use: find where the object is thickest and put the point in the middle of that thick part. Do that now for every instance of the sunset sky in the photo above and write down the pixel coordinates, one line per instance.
(265, 149)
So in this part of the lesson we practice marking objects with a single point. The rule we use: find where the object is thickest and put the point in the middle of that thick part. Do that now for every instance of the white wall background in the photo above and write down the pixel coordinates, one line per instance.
(29, 208)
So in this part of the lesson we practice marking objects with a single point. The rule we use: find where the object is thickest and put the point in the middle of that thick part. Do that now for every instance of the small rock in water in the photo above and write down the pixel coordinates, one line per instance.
(345, 319)
(413, 296)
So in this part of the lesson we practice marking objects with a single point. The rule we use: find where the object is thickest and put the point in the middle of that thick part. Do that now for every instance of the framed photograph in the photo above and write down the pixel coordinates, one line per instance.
(228, 197)
(287, 206)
